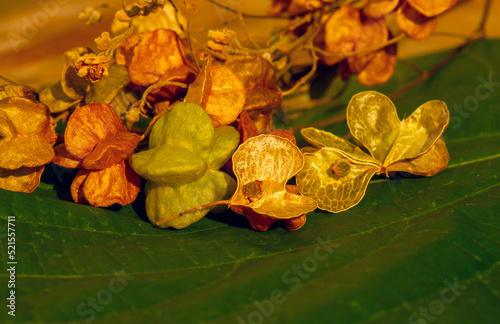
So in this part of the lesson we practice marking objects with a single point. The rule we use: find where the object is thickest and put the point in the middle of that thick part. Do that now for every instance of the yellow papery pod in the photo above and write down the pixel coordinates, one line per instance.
(428, 164)
(373, 120)
(333, 180)
(419, 131)
(263, 165)
(320, 139)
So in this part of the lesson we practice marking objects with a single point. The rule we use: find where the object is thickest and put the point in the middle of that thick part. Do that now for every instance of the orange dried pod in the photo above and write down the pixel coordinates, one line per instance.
(97, 141)
(413, 23)
(381, 68)
(379, 8)
(224, 89)
(374, 33)
(157, 56)
(26, 139)
(342, 31)
(431, 8)
(151, 55)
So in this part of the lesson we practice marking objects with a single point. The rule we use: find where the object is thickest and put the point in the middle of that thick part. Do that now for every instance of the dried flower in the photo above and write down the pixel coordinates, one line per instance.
(103, 42)
(26, 139)
(92, 67)
(97, 141)
(337, 173)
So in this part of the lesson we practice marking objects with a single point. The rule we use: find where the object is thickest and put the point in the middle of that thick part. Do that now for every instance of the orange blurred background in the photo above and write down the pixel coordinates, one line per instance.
(35, 33)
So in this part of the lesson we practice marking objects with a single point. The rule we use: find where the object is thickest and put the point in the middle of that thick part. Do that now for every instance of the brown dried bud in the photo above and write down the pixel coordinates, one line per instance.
(92, 67)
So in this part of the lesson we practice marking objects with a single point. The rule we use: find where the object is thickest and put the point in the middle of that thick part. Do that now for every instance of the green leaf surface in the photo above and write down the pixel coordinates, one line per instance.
(107, 88)
(411, 245)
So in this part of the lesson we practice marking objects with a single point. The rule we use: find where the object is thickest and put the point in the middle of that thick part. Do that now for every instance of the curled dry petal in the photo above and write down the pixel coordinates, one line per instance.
(242, 82)
(379, 8)
(320, 139)
(65, 159)
(428, 164)
(91, 67)
(151, 55)
(413, 23)
(341, 32)
(373, 120)
(26, 139)
(25, 150)
(112, 149)
(432, 8)
(381, 68)
(88, 125)
(23, 179)
(116, 184)
(265, 163)
(373, 33)
(419, 131)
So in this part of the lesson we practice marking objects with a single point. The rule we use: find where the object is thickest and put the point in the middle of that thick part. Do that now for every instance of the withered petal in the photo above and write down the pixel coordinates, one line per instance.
(341, 32)
(294, 224)
(158, 53)
(432, 8)
(257, 221)
(112, 149)
(88, 125)
(26, 116)
(65, 159)
(374, 33)
(25, 150)
(419, 131)
(373, 120)
(116, 184)
(24, 179)
(381, 68)
(379, 8)
(428, 164)
(413, 23)
(77, 186)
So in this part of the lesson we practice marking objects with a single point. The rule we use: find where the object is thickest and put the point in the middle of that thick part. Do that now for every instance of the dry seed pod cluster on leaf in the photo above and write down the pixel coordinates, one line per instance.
(26, 139)
(337, 173)
(143, 69)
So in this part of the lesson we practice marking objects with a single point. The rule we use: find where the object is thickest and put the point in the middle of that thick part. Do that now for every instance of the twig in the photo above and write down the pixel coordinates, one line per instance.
(366, 50)
(245, 14)
(478, 34)
(177, 20)
(188, 35)
(322, 123)
(245, 29)
(306, 77)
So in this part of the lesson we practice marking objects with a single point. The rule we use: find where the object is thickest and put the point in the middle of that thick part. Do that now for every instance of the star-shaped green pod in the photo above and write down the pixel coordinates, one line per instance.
(181, 165)
(337, 172)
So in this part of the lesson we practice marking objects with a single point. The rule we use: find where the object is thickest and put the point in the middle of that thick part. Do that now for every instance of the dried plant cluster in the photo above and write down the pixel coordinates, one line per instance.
(211, 138)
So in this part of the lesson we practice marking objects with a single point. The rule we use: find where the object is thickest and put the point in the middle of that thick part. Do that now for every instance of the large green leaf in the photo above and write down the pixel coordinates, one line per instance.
(393, 255)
